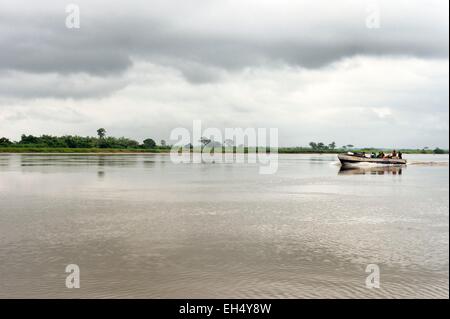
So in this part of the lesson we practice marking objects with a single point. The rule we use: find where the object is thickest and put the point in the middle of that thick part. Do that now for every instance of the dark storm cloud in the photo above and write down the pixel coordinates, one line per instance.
(42, 44)
(55, 85)
(111, 36)
(309, 67)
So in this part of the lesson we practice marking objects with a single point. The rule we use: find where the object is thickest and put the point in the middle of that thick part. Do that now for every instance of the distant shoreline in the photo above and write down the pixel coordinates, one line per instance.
(109, 151)
(103, 144)
(8, 150)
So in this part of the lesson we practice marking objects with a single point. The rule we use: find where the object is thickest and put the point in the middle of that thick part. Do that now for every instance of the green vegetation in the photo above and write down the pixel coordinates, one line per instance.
(149, 143)
(5, 142)
(106, 144)
(77, 150)
(78, 144)
(406, 151)
(321, 147)
(439, 151)
(101, 132)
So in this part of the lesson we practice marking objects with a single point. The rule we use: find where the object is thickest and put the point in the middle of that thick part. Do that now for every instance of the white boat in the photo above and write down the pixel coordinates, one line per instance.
(351, 159)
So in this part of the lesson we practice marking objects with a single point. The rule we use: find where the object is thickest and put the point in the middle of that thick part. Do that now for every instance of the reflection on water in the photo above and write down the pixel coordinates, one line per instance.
(101, 174)
(372, 170)
(77, 160)
(141, 226)
(4, 160)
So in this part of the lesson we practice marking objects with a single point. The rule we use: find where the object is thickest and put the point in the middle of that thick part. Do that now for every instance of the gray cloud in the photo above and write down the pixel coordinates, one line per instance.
(36, 40)
(56, 85)
(310, 68)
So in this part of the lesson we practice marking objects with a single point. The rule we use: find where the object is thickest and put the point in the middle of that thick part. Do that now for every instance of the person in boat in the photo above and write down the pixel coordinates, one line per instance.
(392, 155)
(400, 155)
(380, 155)
(359, 154)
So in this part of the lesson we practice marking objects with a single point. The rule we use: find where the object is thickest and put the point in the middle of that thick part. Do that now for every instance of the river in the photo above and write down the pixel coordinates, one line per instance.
(140, 226)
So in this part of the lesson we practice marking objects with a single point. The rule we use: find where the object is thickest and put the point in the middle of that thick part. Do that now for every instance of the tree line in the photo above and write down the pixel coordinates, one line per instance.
(71, 141)
(321, 147)
(107, 142)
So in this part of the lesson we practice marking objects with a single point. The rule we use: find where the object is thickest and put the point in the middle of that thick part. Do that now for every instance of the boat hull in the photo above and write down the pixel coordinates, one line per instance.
(347, 160)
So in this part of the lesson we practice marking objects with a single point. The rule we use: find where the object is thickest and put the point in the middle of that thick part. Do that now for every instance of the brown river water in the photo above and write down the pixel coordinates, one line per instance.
(140, 226)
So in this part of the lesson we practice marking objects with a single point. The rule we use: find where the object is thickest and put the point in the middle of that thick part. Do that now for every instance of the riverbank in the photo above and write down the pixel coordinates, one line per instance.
(20, 150)
(283, 150)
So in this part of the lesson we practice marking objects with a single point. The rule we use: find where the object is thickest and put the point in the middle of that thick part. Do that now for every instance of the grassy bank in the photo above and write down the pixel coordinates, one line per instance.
(282, 150)
(110, 144)
(76, 150)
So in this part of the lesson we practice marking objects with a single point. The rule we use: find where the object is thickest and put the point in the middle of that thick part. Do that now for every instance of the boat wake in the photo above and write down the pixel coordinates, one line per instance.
(429, 163)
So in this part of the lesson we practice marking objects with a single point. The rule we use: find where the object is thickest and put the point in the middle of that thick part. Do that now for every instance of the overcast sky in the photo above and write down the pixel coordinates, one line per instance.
(313, 69)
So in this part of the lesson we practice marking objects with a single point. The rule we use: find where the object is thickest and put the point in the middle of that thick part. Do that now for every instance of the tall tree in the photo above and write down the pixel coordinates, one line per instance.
(313, 145)
(101, 132)
(5, 142)
(332, 145)
(205, 141)
(149, 143)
